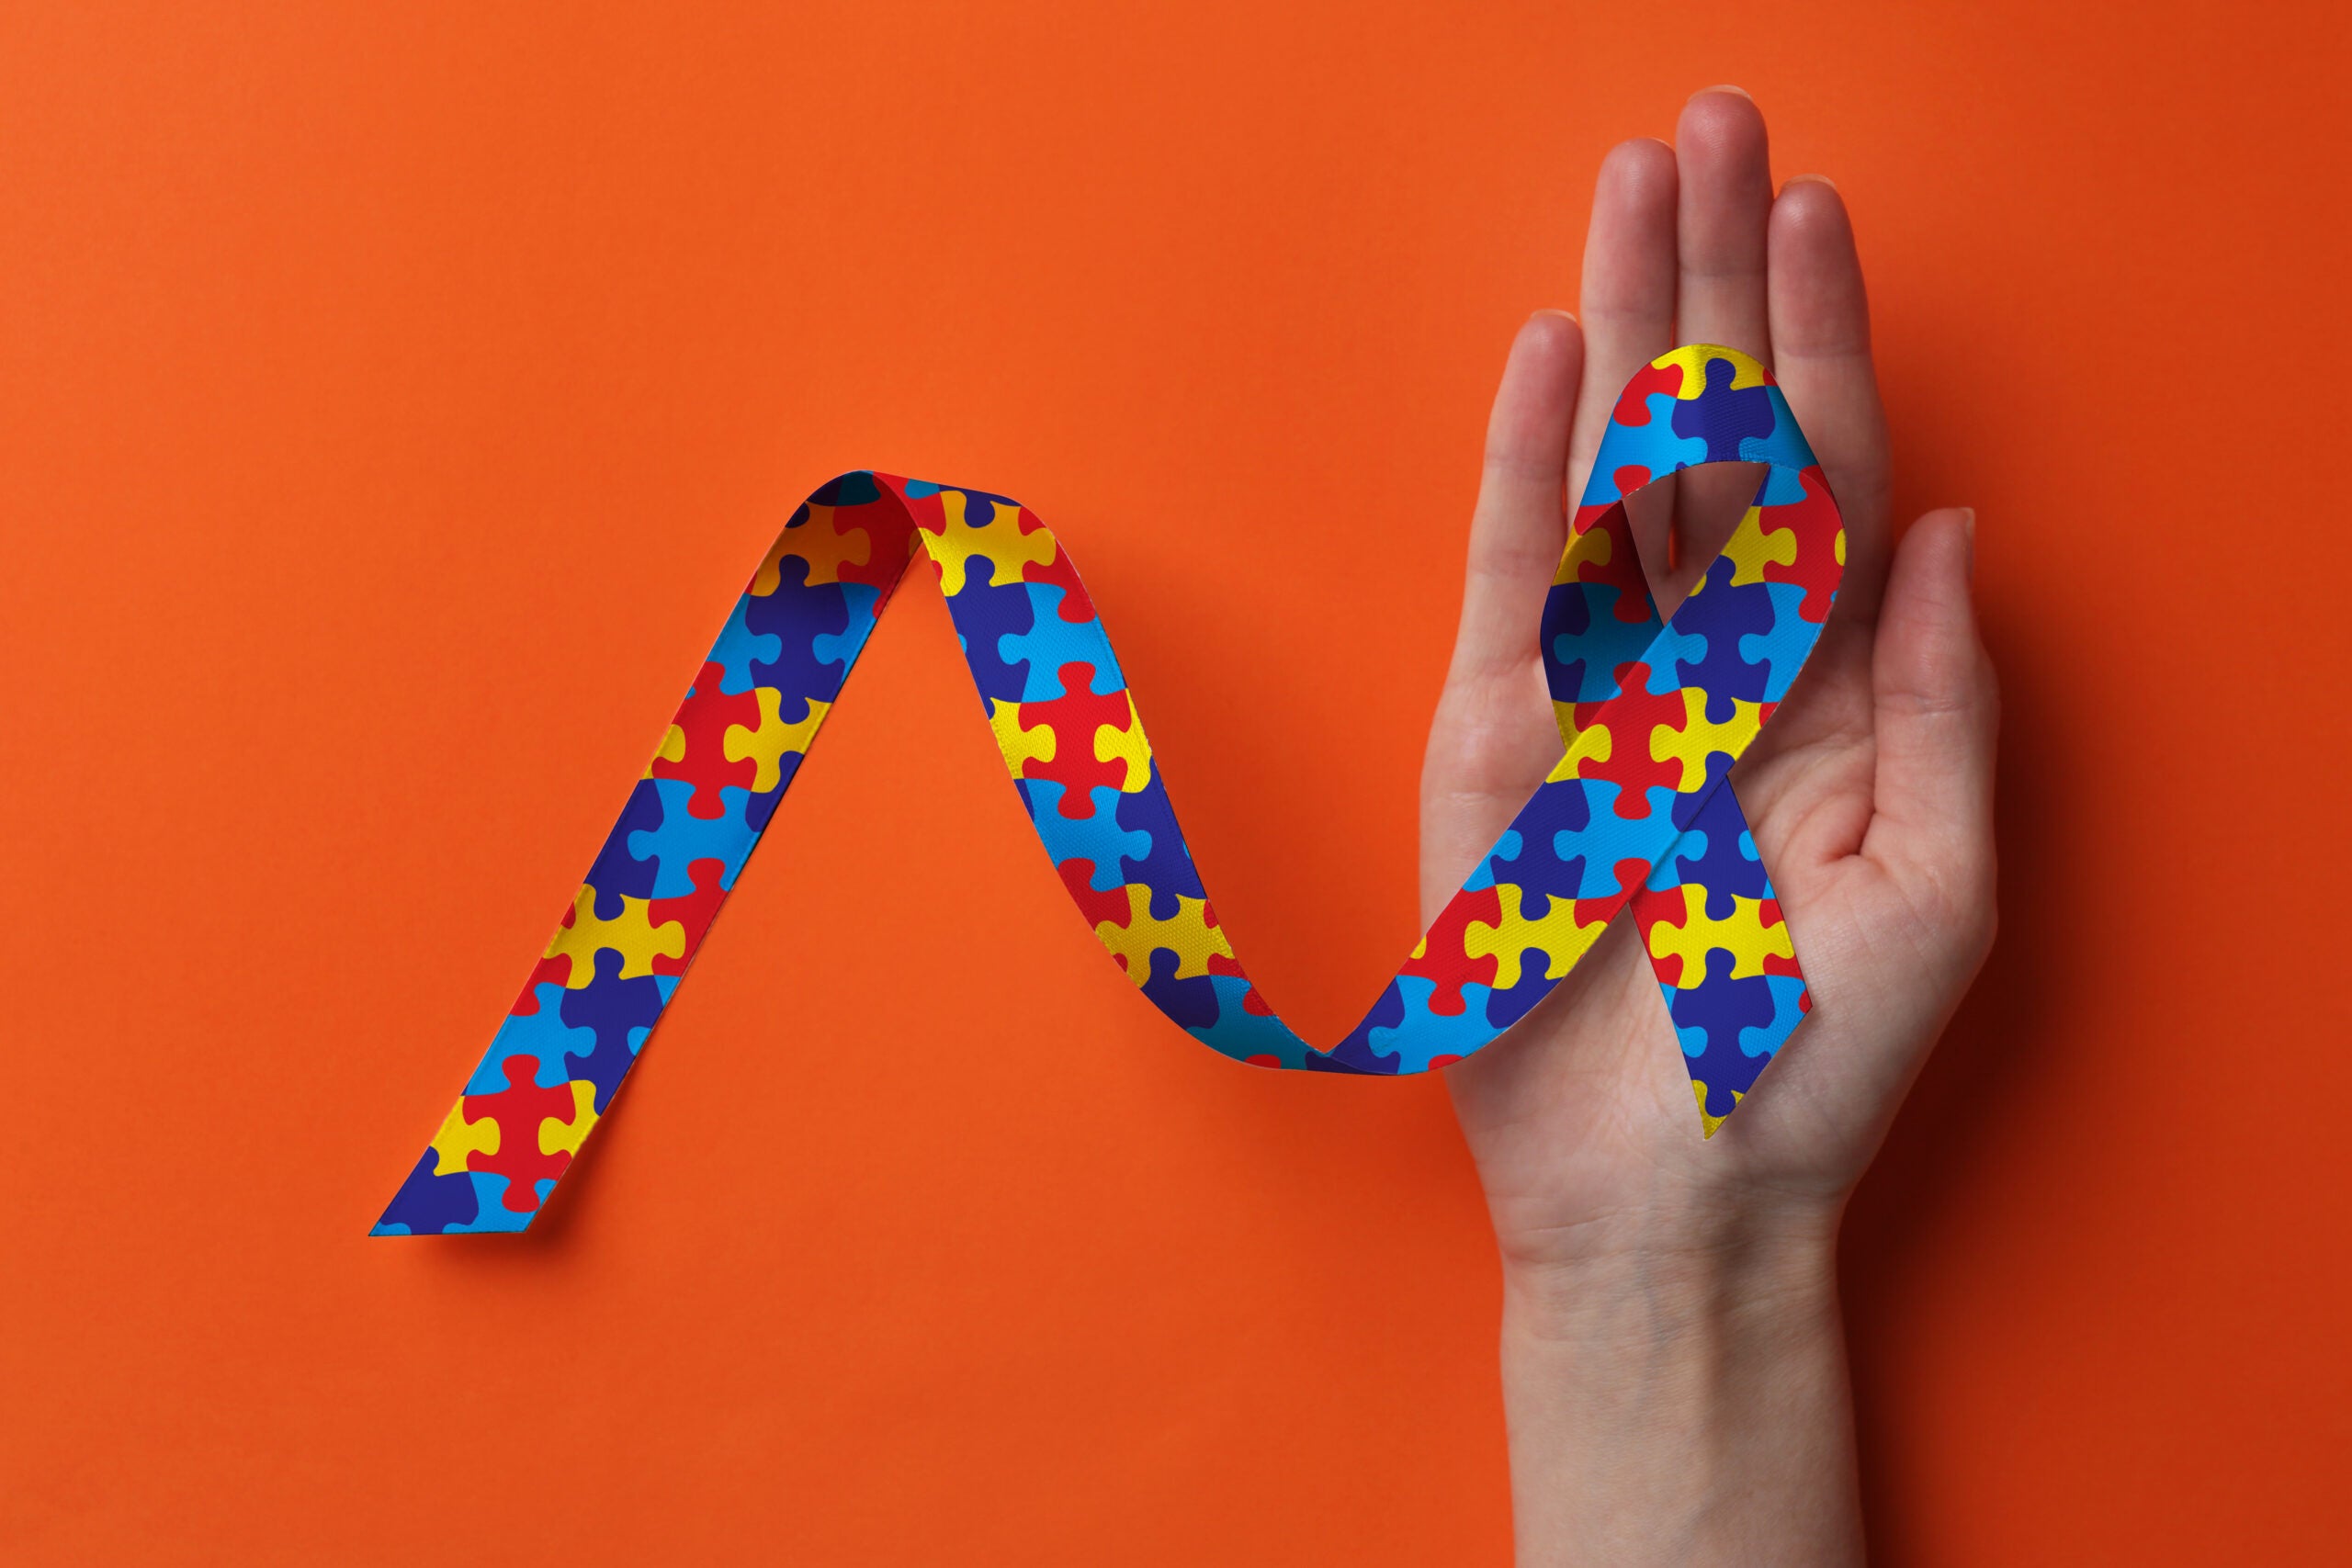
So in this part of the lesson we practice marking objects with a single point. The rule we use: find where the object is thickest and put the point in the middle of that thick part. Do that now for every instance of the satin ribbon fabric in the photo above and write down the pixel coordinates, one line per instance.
(1651, 714)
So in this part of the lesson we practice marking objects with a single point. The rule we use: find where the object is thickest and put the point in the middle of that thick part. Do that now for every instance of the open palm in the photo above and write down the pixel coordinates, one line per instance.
(1869, 791)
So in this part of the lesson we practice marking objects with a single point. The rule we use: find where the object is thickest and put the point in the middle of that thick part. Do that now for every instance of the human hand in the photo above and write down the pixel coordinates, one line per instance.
(1870, 794)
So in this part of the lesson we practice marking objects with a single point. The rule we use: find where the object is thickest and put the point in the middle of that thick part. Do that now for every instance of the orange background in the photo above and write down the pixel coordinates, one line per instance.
(390, 404)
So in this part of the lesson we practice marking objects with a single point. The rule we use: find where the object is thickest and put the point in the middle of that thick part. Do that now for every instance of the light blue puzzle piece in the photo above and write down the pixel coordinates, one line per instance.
(1654, 446)
(1607, 838)
(1785, 446)
(1667, 872)
(1098, 838)
(1242, 1034)
(1785, 645)
(684, 837)
(1506, 849)
(841, 647)
(1424, 1035)
(1788, 992)
(543, 1034)
(739, 646)
(491, 1213)
(1052, 642)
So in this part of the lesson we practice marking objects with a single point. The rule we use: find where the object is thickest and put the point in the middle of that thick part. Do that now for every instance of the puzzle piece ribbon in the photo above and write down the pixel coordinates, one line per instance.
(1651, 715)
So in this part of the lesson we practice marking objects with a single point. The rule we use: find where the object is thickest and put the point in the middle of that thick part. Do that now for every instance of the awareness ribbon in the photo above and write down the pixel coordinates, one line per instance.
(1652, 714)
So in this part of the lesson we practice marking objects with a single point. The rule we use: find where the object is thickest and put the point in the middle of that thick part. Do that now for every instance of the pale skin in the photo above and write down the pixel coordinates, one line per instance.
(1673, 1362)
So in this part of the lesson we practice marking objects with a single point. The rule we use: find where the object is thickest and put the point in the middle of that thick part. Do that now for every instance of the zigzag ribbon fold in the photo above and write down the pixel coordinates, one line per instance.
(1651, 714)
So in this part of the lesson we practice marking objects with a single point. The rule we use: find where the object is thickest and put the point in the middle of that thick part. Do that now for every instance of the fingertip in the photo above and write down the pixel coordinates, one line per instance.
(1638, 170)
(1549, 323)
(1938, 712)
(1929, 626)
(1527, 431)
(1549, 344)
(1941, 545)
(1810, 220)
(1719, 116)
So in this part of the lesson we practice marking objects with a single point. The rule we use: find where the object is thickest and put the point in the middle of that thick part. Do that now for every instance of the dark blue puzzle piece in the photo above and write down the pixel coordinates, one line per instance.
(1167, 868)
(1553, 818)
(615, 1008)
(617, 872)
(797, 614)
(1710, 1018)
(1356, 1054)
(1722, 416)
(984, 613)
(1191, 1003)
(1717, 619)
(1709, 855)
(429, 1204)
(856, 488)
(1506, 1007)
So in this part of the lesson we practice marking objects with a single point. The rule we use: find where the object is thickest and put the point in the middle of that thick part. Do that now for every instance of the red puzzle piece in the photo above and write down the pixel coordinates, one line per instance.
(1062, 572)
(518, 1109)
(704, 719)
(889, 538)
(1817, 568)
(1074, 717)
(1077, 876)
(1623, 569)
(1634, 402)
(693, 910)
(1443, 958)
(1634, 715)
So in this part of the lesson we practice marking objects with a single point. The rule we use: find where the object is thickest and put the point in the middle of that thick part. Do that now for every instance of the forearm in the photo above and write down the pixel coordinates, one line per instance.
(1684, 1408)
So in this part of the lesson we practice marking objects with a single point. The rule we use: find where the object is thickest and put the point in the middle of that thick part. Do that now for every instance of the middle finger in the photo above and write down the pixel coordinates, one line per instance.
(1726, 207)
(1724, 210)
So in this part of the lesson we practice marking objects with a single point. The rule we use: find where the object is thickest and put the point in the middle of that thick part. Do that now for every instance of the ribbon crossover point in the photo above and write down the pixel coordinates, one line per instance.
(1652, 714)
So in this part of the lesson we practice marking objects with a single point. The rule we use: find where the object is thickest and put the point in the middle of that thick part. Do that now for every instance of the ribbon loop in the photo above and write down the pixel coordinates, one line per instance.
(1650, 713)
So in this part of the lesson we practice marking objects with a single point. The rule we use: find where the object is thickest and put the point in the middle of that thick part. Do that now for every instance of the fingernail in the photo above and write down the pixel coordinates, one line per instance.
(1810, 180)
(1543, 326)
(1968, 534)
(1724, 87)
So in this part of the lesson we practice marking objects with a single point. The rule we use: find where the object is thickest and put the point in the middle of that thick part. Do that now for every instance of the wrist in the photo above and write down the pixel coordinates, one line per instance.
(1635, 1275)
(1682, 1402)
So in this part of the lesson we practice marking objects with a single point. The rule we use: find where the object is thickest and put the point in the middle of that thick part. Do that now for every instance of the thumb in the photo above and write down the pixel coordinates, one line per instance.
(1938, 710)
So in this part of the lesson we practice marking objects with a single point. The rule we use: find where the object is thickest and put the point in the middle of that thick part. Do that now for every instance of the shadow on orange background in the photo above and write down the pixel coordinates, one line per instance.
(390, 407)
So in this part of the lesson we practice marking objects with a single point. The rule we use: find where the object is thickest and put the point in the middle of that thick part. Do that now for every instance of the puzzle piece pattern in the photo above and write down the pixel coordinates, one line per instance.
(1651, 717)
